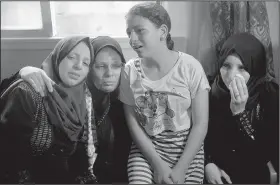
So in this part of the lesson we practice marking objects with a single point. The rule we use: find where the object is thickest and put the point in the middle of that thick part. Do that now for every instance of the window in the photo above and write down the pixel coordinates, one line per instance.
(25, 19)
(64, 18)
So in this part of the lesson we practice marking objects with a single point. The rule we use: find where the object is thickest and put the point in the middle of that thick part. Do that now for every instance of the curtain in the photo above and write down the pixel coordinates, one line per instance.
(230, 17)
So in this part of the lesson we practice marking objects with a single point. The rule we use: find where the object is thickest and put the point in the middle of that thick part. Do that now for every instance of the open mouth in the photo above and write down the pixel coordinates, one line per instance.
(136, 47)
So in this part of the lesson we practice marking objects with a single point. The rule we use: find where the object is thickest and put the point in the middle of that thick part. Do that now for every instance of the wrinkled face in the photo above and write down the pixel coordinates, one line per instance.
(231, 67)
(107, 69)
(74, 68)
(143, 34)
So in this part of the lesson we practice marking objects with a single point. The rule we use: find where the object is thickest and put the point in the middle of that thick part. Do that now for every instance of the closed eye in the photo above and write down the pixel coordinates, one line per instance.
(71, 57)
(99, 66)
(86, 63)
(140, 30)
(241, 67)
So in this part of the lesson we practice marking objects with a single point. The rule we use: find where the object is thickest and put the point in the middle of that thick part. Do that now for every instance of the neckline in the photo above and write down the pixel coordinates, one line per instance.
(166, 75)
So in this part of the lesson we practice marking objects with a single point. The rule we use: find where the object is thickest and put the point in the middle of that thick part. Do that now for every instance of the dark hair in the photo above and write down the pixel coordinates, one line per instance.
(156, 14)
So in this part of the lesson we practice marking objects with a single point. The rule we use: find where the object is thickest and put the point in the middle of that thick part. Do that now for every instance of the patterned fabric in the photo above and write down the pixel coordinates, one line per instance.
(91, 132)
(245, 120)
(245, 124)
(42, 134)
(163, 104)
(169, 146)
(231, 17)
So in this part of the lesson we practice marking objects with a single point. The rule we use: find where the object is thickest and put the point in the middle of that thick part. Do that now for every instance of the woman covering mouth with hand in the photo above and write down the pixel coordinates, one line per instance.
(243, 125)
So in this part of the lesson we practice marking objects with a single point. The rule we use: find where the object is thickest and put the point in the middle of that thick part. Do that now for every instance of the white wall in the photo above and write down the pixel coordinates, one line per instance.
(16, 54)
(191, 31)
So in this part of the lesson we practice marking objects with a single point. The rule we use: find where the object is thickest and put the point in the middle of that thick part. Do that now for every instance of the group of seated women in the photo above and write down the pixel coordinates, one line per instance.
(83, 117)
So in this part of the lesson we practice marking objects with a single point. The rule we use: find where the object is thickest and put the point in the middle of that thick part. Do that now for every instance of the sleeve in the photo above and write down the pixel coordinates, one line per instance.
(17, 125)
(126, 93)
(269, 138)
(244, 123)
(215, 143)
(212, 139)
(8, 81)
(197, 78)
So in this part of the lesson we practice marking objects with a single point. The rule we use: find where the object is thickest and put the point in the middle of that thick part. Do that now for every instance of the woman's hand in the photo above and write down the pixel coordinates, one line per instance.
(162, 173)
(239, 95)
(37, 78)
(214, 174)
(178, 175)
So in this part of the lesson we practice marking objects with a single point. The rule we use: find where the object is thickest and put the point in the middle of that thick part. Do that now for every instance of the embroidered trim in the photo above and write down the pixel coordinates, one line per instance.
(105, 112)
(90, 142)
(246, 119)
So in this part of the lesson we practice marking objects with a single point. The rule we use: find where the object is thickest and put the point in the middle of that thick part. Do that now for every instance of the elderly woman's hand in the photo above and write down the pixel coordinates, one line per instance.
(37, 78)
(214, 174)
(239, 94)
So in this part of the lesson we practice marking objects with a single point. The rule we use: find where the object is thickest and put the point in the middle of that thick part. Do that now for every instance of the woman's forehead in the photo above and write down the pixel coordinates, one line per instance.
(233, 59)
(106, 54)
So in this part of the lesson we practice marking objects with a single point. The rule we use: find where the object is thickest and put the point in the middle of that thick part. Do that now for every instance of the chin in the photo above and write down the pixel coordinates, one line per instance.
(108, 89)
(72, 83)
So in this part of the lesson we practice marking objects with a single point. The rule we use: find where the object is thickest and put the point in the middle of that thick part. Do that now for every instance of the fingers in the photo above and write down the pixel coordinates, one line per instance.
(167, 180)
(225, 175)
(172, 178)
(244, 86)
(239, 89)
(49, 83)
(219, 180)
(41, 84)
(35, 83)
(232, 93)
(239, 85)
(236, 93)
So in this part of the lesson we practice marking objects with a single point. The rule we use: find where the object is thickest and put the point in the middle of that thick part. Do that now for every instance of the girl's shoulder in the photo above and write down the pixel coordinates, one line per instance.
(189, 62)
(133, 68)
(132, 62)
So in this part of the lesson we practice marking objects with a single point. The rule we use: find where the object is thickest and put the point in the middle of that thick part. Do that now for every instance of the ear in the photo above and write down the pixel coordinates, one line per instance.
(163, 32)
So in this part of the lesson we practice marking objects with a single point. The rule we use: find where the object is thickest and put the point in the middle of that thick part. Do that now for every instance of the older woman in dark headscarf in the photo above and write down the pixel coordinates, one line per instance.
(243, 126)
(39, 134)
(108, 135)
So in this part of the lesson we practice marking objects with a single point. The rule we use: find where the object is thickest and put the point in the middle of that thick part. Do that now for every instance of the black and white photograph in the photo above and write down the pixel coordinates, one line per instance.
(139, 92)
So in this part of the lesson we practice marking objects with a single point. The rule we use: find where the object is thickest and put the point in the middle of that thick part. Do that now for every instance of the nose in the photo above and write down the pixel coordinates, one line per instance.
(109, 71)
(133, 37)
(78, 65)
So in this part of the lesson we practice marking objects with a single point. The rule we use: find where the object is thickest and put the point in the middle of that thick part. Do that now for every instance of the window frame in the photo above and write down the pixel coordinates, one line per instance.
(47, 30)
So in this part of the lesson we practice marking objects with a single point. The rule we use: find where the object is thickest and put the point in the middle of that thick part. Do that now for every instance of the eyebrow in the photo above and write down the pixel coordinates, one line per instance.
(135, 27)
(76, 54)
(103, 62)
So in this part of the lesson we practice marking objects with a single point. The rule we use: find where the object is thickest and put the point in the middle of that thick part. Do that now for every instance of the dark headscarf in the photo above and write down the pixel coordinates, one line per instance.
(65, 106)
(98, 44)
(252, 54)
